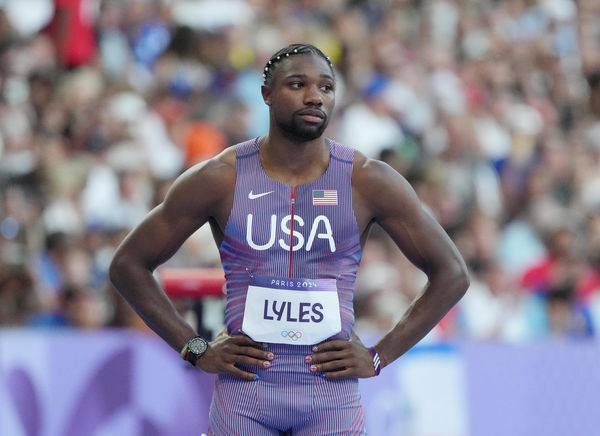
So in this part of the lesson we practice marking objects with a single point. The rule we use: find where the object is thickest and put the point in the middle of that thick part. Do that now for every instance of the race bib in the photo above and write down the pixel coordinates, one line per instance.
(291, 311)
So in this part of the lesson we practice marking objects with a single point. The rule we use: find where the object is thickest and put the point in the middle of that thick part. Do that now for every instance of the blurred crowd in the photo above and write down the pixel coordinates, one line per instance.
(490, 108)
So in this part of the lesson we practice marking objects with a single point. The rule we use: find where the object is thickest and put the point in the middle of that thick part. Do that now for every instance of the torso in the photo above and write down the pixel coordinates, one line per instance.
(256, 238)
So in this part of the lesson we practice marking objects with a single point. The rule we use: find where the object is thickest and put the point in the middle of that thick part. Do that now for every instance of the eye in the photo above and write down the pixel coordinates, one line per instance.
(327, 87)
(295, 85)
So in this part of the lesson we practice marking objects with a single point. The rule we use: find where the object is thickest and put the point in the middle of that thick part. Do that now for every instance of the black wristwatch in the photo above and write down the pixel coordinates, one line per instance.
(194, 349)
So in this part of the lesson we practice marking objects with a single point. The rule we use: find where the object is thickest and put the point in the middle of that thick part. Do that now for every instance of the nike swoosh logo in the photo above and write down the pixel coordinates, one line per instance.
(252, 196)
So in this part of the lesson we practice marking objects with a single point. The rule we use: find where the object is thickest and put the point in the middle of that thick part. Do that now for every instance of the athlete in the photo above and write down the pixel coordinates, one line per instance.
(290, 212)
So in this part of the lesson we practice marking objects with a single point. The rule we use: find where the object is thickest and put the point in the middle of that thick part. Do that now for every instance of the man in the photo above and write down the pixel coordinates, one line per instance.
(290, 212)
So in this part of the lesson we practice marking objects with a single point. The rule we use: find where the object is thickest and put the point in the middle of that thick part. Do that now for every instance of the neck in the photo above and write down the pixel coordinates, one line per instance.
(291, 161)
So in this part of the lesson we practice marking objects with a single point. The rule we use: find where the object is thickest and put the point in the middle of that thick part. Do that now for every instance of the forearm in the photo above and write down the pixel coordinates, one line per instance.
(440, 295)
(139, 288)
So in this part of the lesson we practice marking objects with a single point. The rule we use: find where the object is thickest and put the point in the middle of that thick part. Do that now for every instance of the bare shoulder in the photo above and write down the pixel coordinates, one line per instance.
(204, 186)
(212, 174)
(217, 169)
(367, 170)
(380, 187)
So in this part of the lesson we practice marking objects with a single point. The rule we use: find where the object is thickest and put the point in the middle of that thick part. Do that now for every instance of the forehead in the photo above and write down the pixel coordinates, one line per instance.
(306, 64)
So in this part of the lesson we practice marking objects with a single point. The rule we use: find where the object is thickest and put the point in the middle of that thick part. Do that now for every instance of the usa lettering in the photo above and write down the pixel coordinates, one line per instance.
(320, 228)
(288, 311)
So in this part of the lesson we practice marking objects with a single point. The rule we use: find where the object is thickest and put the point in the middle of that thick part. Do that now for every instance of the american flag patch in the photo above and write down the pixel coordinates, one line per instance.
(325, 196)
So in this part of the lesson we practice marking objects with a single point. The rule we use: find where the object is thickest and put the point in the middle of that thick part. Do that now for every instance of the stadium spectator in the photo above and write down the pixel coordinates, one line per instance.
(491, 109)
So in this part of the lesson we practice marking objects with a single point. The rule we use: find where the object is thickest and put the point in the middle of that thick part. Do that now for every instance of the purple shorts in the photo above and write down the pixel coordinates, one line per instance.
(288, 399)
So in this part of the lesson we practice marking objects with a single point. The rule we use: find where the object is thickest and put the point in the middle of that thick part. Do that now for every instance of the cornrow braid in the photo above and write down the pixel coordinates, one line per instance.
(290, 50)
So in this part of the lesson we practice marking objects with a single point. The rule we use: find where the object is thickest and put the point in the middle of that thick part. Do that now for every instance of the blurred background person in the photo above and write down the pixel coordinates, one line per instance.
(489, 108)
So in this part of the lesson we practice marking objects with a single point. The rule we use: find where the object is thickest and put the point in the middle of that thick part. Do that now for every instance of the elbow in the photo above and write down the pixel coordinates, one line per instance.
(454, 279)
(464, 281)
(118, 268)
(461, 280)
(125, 266)
(114, 269)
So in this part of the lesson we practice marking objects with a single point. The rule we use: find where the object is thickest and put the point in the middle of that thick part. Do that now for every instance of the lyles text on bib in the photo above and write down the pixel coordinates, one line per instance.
(291, 311)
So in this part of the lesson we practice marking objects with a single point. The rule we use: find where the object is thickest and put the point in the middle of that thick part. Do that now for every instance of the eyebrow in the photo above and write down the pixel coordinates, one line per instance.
(304, 76)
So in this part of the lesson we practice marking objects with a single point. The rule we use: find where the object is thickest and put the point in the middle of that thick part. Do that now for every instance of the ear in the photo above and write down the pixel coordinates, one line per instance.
(266, 94)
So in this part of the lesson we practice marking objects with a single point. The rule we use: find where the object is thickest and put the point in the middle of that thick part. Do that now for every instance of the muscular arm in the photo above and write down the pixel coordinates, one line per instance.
(203, 192)
(386, 197)
(195, 196)
(382, 195)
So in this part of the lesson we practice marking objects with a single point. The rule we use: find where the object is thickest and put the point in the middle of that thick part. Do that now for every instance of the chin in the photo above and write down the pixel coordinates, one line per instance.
(308, 133)
(302, 132)
(309, 136)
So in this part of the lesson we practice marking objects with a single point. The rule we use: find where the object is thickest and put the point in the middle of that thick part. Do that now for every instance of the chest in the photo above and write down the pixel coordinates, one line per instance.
(296, 218)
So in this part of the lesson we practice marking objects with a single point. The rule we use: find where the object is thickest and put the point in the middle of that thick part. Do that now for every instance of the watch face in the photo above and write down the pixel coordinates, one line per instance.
(198, 346)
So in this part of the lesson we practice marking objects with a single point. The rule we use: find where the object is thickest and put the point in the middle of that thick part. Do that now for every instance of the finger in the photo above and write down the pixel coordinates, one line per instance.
(245, 360)
(339, 374)
(336, 344)
(327, 356)
(254, 352)
(335, 365)
(246, 340)
(242, 374)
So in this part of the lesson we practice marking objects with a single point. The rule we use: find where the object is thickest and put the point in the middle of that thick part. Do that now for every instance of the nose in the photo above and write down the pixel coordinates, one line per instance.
(313, 96)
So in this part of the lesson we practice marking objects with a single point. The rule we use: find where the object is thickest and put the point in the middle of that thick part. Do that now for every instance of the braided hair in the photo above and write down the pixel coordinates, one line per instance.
(290, 50)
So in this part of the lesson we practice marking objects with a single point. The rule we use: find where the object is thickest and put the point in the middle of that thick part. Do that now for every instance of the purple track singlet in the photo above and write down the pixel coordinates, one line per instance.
(284, 232)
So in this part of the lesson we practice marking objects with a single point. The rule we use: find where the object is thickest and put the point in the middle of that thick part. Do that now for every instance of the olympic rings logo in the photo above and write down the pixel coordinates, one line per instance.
(291, 334)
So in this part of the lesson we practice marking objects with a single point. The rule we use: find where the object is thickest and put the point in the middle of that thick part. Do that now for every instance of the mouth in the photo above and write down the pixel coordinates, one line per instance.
(312, 115)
